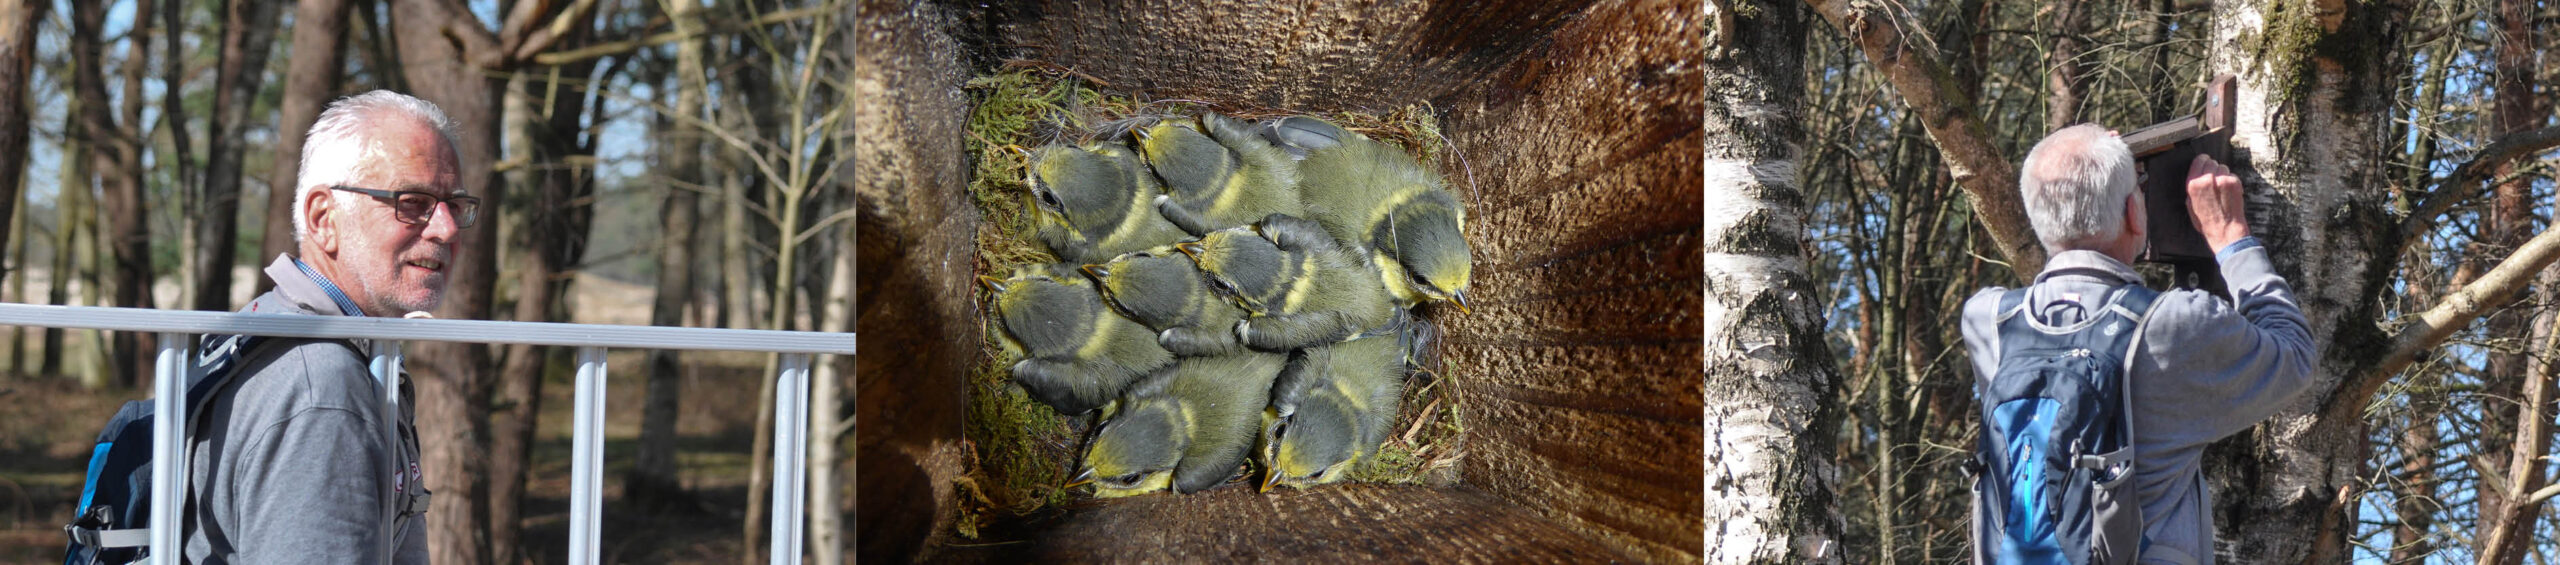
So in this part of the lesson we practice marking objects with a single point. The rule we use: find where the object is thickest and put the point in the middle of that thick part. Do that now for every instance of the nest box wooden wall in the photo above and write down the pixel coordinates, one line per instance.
(1578, 373)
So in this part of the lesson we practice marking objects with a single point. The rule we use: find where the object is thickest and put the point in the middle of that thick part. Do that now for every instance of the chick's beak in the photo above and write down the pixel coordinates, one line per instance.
(1190, 248)
(1098, 272)
(1082, 479)
(1270, 478)
(992, 283)
(1460, 298)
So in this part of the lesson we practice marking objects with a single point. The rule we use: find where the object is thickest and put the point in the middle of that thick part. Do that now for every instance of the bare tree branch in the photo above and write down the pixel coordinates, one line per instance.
(542, 39)
(1949, 115)
(2465, 183)
(611, 48)
(2439, 322)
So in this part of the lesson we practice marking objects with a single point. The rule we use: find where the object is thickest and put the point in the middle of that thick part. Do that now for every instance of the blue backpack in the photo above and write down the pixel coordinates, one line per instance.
(2052, 471)
(113, 521)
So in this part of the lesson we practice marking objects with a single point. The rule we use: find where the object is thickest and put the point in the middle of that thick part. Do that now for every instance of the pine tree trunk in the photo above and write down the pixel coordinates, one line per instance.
(248, 30)
(70, 205)
(181, 156)
(116, 161)
(2066, 70)
(455, 380)
(653, 481)
(1770, 406)
(19, 20)
(555, 234)
(311, 80)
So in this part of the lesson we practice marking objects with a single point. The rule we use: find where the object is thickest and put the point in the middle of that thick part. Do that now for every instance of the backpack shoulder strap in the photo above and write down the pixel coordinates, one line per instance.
(2135, 301)
(2012, 302)
(221, 358)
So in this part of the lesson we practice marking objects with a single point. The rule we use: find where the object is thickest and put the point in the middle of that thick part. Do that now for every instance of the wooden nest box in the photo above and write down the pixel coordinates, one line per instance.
(1575, 137)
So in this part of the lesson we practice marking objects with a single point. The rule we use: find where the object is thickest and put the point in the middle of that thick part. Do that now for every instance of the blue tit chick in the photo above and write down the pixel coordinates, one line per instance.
(1185, 429)
(1332, 408)
(1297, 287)
(1370, 195)
(1077, 353)
(1167, 292)
(1096, 201)
(1218, 173)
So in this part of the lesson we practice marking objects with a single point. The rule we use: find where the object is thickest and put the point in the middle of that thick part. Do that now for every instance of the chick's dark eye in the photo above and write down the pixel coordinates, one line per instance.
(1131, 478)
(1048, 198)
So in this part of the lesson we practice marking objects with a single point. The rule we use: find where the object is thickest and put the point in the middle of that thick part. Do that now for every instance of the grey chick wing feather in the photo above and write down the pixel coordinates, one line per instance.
(1302, 135)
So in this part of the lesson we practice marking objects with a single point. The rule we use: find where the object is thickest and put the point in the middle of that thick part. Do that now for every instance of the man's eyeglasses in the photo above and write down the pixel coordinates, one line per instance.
(418, 208)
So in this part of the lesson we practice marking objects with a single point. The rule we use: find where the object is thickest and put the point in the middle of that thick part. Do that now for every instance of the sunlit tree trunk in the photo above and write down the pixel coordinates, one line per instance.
(1770, 385)
(248, 30)
(555, 235)
(310, 81)
(116, 160)
(2522, 427)
(827, 421)
(2066, 68)
(454, 380)
(19, 21)
(2314, 104)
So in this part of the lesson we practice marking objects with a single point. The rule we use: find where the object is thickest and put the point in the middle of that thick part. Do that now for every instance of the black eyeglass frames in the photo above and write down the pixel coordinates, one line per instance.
(417, 208)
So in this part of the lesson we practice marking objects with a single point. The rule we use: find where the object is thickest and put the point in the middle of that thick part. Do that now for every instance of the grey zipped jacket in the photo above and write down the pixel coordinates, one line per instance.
(295, 460)
(2202, 370)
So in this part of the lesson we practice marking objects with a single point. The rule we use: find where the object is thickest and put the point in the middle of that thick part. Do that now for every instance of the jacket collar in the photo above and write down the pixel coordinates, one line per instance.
(2090, 265)
(308, 291)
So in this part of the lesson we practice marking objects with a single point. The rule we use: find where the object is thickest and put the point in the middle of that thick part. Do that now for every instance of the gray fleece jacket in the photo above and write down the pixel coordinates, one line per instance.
(2202, 370)
(292, 462)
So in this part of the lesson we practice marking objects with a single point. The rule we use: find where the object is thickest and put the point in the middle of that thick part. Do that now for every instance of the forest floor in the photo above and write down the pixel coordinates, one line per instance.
(47, 425)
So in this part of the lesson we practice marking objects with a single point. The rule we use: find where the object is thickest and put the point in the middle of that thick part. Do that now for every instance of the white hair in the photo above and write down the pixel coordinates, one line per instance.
(2075, 183)
(341, 145)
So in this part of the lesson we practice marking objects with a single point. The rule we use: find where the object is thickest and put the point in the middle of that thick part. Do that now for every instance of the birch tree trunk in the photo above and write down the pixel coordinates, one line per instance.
(827, 419)
(1770, 406)
(2311, 143)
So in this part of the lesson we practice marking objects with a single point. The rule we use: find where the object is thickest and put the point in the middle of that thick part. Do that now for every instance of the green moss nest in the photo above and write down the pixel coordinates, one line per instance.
(1024, 453)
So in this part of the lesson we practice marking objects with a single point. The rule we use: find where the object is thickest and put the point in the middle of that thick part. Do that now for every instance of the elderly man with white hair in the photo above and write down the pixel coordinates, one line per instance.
(2099, 395)
(297, 459)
